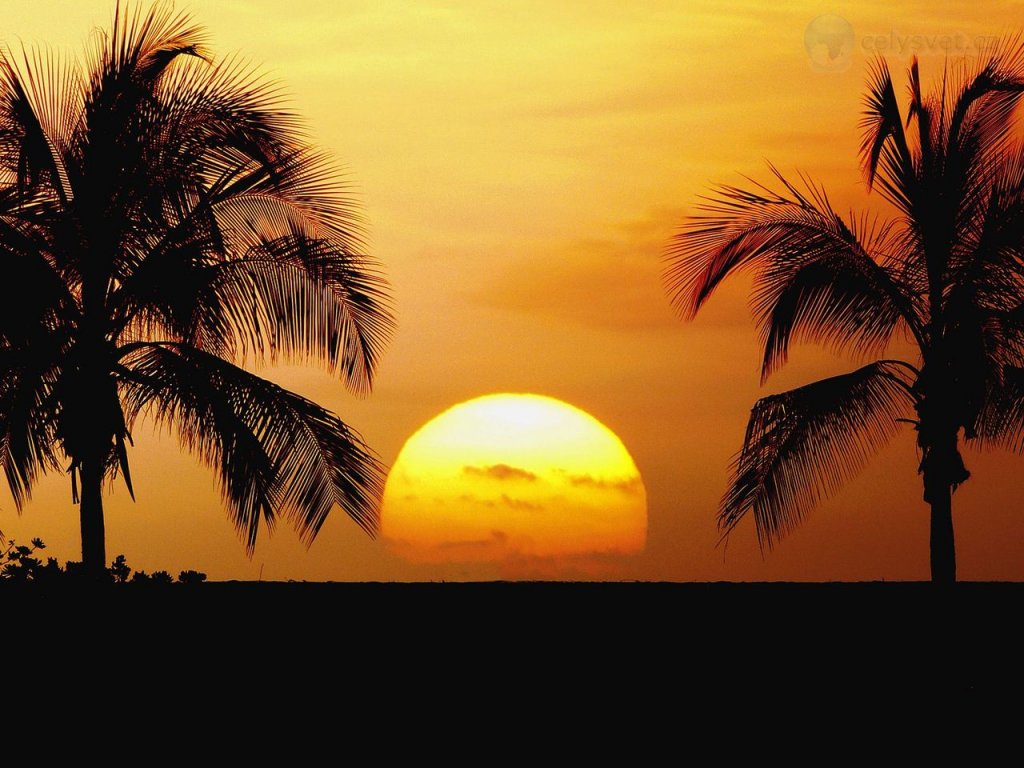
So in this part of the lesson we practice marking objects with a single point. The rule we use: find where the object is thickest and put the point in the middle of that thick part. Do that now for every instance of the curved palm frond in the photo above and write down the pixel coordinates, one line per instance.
(981, 116)
(838, 296)
(273, 450)
(944, 188)
(250, 216)
(28, 435)
(988, 263)
(886, 157)
(295, 296)
(817, 275)
(802, 445)
(34, 299)
(291, 297)
(984, 307)
(226, 122)
(137, 51)
(38, 116)
(1000, 419)
(978, 145)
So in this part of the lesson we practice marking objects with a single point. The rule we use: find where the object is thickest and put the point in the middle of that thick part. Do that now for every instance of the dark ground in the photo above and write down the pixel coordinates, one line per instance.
(614, 645)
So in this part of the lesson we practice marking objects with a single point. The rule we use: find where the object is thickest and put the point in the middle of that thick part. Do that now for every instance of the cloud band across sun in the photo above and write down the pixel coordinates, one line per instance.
(514, 479)
(500, 472)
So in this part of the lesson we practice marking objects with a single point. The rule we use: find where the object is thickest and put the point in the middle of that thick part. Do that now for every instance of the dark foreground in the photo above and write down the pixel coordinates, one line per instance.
(600, 644)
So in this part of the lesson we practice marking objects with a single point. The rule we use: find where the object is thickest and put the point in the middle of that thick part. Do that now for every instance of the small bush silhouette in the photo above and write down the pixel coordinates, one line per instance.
(191, 577)
(18, 563)
(157, 577)
(119, 570)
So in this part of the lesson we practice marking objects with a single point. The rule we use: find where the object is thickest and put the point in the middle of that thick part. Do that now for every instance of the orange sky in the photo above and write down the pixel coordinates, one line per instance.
(522, 165)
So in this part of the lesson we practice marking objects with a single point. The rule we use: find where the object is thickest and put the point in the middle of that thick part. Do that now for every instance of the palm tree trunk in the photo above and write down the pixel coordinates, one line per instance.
(94, 547)
(943, 469)
(93, 437)
(943, 550)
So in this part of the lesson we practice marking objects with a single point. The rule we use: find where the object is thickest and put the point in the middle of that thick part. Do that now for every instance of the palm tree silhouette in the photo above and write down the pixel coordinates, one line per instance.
(162, 220)
(947, 272)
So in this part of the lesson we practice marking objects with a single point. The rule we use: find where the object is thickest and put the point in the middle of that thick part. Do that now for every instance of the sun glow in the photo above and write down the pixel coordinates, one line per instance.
(513, 476)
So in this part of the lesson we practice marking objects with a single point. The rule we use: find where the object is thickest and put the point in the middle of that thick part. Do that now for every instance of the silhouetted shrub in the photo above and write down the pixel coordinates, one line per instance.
(191, 577)
(18, 564)
(119, 570)
(157, 577)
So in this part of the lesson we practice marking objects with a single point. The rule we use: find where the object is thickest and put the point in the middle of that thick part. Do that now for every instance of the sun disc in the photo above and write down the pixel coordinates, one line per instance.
(511, 476)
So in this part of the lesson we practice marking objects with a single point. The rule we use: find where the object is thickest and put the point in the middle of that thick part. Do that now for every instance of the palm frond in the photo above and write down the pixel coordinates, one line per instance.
(987, 260)
(832, 293)
(1000, 419)
(802, 445)
(252, 243)
(290, 298)
(28, 429)
(300, 297)
(980, 118)
(232, 130)
(816, 274)
(918, 110)
(963, 140)
(39, 113)
(142, 44)
(34, 299)
(885, 155)
(274, 451)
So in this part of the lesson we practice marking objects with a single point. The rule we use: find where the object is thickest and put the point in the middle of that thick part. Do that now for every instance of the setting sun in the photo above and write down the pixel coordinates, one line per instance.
(513, 476)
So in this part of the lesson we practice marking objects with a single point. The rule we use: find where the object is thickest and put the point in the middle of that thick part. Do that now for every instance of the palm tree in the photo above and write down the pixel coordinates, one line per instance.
(162, 220)
(946, 273)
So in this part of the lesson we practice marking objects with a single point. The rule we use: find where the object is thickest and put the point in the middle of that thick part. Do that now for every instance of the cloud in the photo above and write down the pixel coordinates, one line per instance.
(632, 486)
(599, 566)
(508, 501)
(497, 539)
(500, 472)
(471, 498)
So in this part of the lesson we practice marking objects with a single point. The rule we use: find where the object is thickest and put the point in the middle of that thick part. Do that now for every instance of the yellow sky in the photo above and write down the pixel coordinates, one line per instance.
(521, 165)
